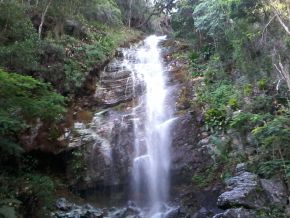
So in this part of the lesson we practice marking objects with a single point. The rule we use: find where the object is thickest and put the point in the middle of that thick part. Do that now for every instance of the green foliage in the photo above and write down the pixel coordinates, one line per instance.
(19, 45)
(205, 178)
(40, 186)
(215, 118)
(105, 11)
(211, 17)
(182, 20)
(248, 89)
(25, 189)
(196, 64)
(26, 97)
(246, 121)
(15, 24)
(260, 104)
(271, 168)
(23, 100)
(95, 30)
(274, 139)
(135, 12)
(193, 56)
(274, 133)
(262, 84)
(8, 212)
(214, 72)
(244, 48)
(78, 164)
(223, 149)
(74, 77)
(220, 95)
(233, 103)
(273, 212)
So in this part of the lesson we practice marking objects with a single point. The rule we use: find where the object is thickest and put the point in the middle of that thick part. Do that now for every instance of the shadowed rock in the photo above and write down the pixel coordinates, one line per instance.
(237, 213)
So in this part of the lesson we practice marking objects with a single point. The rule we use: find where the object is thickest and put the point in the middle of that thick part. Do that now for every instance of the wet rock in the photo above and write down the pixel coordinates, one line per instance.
(63, 204)
(70, 210)
(203, 210)
(106, 144)
(237, 213)
(128, 212)
(175, 213)
(243, 190)
(203, 213)
(187, 156)
(117, 83)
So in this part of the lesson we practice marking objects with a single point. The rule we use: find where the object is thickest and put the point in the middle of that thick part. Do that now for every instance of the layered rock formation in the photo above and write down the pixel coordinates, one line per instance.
(246, 194)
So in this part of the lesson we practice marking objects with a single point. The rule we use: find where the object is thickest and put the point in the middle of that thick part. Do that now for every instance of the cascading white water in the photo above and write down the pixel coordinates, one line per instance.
(153, 118)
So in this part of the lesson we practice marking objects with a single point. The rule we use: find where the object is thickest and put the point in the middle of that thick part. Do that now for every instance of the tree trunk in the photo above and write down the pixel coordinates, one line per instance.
(43, 19)
(130, 13)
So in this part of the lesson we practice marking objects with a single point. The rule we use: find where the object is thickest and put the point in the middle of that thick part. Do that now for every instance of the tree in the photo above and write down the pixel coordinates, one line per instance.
(43, 17)
(24, 100)
(182, 19)
(19, 44)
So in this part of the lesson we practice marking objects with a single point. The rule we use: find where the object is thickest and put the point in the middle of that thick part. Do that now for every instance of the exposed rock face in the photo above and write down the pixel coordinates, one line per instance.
(107, 144)
(247, 191)
(276, 191)
(243, 191)
(107, 141)
(237, 213)
(182, 145)
(66, 209)
(116, 82)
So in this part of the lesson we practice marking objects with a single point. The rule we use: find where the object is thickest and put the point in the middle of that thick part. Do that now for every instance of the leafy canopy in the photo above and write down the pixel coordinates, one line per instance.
(23, 100)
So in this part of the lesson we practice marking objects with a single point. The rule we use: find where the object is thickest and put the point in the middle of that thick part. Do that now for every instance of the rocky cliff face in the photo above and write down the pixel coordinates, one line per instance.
(101, 147)
(107, 140)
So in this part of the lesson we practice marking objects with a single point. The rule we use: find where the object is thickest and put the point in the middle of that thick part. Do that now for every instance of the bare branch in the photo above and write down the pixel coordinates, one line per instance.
(43, 18)
(284, 73)
(286, 28)
(266, 26)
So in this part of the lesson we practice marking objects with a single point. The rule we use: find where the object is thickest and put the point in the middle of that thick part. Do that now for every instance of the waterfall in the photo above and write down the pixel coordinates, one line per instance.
(152, 121)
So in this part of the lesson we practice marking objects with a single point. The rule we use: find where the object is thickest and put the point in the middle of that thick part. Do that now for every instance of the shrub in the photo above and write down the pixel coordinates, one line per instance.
(248, 89)
(42, 187)
(19, 45)
(260, 104)
(246, 121)
(23, 100)
(262, 84)
(205, 178)
(274, 141)
(268, 169)
(220, 95)
(77, 164)
(104, 11)
(233, 103)
(215, 118)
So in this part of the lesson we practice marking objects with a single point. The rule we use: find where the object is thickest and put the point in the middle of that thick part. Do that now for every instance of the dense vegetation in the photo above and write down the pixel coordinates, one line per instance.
(241, 53)
(48, 51)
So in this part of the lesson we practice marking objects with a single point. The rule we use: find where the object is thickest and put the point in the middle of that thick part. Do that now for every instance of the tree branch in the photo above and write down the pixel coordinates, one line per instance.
(43, 18)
